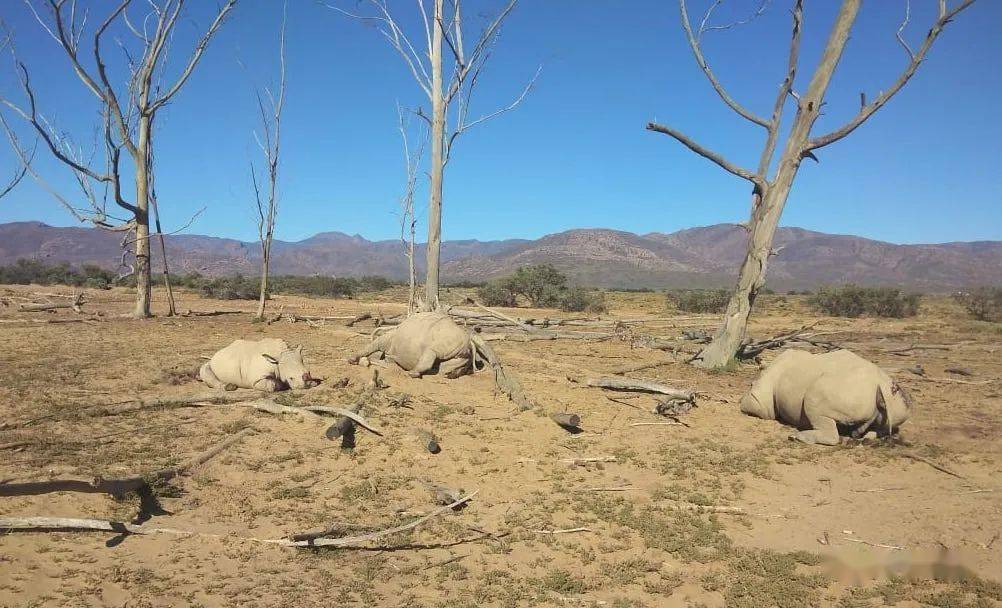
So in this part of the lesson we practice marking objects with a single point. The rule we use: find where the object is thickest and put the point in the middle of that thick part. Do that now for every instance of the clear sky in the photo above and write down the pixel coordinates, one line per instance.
(575, 154)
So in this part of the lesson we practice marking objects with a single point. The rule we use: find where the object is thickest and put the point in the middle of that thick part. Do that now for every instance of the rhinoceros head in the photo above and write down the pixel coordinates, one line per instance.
(290, 368)
(893, 409)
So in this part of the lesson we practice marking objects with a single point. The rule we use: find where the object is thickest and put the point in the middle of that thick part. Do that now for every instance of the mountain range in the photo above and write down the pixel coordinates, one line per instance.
(696, 257)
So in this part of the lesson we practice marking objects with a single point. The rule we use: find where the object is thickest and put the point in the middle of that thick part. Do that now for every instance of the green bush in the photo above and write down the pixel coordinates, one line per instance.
(853, 301)
(231, 288)
(497, 293)
(983, 303)
(579, 299)
(699, 300)
(25, 272)
(542, 284)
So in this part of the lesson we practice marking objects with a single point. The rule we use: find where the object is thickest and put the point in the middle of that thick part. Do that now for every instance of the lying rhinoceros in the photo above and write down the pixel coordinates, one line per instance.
(825, 393)
(267, 365)
(421, 341)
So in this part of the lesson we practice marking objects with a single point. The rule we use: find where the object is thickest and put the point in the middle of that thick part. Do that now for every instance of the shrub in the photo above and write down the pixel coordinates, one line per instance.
(541, 284)
(372, 283)
(983, 303)
(497, 293)
(699, 300)
(24, 272)
(325, 287)
(579, 299)
(231, 288)
(853, 301)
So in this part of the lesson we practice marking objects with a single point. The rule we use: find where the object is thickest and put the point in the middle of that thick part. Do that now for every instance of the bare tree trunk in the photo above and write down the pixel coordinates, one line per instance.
(171, 307)
(263, 297)
(412, 292)
(438, 108)
(143, 275)
(769, 207)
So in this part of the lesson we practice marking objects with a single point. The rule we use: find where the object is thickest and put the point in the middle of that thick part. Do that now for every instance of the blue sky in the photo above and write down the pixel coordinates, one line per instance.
(575, 154)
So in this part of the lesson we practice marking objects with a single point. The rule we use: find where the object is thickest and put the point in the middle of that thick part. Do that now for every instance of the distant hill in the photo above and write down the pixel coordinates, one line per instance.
(704, 257)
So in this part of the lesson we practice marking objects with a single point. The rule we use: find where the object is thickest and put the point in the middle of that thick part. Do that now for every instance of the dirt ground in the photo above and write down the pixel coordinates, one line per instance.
(820, 526)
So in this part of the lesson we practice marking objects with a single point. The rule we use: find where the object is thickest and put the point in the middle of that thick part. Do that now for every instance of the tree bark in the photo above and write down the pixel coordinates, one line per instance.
(438, 108)
(264, 286)
(768, 205)
(143, 275)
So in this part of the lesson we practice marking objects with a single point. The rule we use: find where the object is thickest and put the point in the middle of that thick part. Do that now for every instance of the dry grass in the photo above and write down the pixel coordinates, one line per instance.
(639, 549)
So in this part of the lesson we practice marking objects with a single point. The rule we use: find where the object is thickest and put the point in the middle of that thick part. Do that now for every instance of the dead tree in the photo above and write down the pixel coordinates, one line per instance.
(449, 95)
(23, 162)
(126, 123)
(269, 141)
(408, 220)
(770, 193)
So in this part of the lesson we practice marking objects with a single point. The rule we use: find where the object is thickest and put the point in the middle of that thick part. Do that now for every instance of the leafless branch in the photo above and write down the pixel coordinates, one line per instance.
(945, 16)
(697, 50)
(706, 153)
(463, 126)
(196, 56)
(397, 39)
(900, 33)
(785, 89)
(704, 25)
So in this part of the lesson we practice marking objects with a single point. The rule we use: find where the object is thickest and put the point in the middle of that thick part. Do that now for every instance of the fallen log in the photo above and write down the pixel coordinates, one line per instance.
(76, 305)
(344, 427)
(358, 318)
(633, 384)
(567, 420)
(210, 313)
(638, 367)
(345, 542)
(428, 441)
(119, 486)
(505, 382)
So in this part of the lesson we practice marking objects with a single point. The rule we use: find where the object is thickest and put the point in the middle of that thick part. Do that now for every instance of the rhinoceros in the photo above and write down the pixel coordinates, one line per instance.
(825, 393)
(422, 341)
(267, 365)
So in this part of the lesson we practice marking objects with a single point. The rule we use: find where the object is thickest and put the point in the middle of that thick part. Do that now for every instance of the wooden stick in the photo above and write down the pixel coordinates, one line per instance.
(588, 459)
(121, 486)
(564, 531)
(866, 542)
(502, 316)
(349, 541)
(636, 368)
(932, 463)
(710, 509)
(608, 489)
(657, 424)
(66, 523)
(633, 384)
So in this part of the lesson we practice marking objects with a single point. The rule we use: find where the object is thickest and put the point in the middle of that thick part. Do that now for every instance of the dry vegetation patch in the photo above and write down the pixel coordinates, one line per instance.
(723, 511)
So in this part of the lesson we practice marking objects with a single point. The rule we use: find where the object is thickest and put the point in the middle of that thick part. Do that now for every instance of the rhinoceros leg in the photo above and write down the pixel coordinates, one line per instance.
(269, 385)
(455, 367)
(209, 377)
(382, 343)
(424, 364)
(823, 431)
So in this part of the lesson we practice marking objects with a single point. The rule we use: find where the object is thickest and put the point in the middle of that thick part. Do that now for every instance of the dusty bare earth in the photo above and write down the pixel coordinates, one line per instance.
(642, 544)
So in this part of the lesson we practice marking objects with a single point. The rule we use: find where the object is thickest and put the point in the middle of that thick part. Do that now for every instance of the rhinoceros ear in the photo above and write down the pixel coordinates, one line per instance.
(881, 404)
(298, 348)
(269, 358)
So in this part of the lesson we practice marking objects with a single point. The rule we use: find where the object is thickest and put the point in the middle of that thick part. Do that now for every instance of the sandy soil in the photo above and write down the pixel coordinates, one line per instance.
(805, 507)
